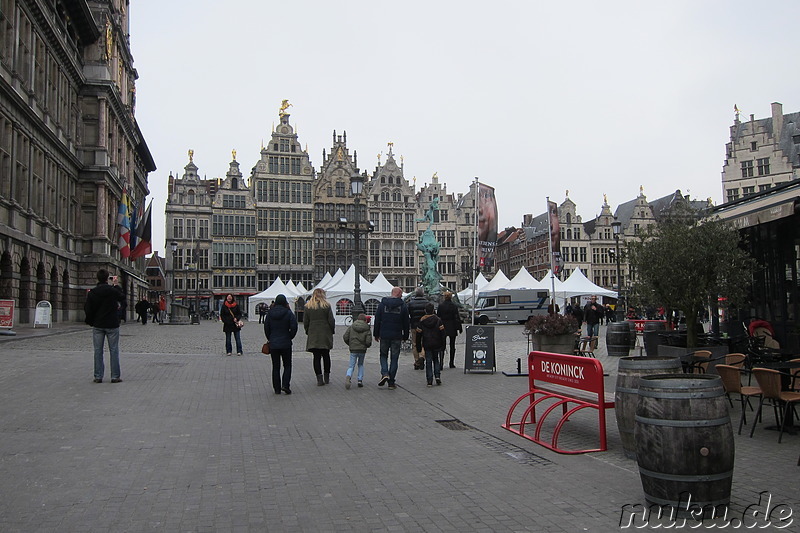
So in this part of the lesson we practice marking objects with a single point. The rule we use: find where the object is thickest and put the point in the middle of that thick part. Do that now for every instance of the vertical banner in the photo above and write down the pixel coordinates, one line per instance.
(7, 314)
(556, 262)
(487, 226)
(479, 353)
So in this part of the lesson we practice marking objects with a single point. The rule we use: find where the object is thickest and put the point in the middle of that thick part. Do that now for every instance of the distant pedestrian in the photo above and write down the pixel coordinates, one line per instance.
(448, 312)
(102, 313)
(609, 314)
(416, 309)
(391, 329)
(591, 314)
(358, 337)
(299, 307)
(431, 336)
(280, 327)
(162, 308)
(154, 312)
(141, 308)
(577, 312)
(319, 325)
(261, 311)
(231, 317)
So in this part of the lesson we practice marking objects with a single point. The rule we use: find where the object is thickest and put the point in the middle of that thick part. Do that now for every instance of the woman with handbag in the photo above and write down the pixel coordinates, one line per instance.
(319, 325)
(231, 317)
(280, 327)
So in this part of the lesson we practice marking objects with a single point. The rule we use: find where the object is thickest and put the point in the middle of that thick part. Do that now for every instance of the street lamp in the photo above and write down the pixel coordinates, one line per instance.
(357, 188)
(174, 247)
(196, 315)
(616, 227)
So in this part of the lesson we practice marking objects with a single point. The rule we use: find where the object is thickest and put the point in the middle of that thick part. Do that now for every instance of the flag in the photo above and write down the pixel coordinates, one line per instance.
(144, 234)
(137, 217)
(124, 223)
(556, 262)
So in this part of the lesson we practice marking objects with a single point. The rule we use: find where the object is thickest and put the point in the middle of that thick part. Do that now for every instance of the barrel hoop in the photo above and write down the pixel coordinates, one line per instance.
(694, 505)
(687, 477)
(714, 393)
(684, 423)
(625, 389)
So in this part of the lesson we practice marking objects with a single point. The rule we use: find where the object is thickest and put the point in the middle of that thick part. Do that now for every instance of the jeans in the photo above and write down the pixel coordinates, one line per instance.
(278, 356)
(322, 359)
(390, 368)
(432, 363)
(98, 335)
(356, 358)
(592, 330)
(238, 335)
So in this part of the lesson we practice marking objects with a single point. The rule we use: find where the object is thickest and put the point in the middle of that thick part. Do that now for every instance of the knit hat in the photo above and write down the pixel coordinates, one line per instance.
(280, 300)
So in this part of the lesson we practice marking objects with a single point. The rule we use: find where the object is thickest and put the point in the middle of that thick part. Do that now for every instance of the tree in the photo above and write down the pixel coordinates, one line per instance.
(686, 264)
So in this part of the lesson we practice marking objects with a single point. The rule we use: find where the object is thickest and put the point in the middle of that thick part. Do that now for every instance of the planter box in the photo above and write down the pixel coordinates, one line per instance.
(564, 344)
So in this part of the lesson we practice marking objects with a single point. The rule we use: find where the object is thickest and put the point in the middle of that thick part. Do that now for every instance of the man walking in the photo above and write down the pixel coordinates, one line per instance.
(592, 312)
(102, 313)
(416, 310)
(391, 328)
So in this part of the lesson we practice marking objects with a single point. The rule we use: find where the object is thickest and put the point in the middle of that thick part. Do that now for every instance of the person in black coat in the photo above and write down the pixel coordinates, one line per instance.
(416, 310)
(431, 336)
(280, 327)
(231, 317)
(141, 308)
(102, 313)
(448, 312)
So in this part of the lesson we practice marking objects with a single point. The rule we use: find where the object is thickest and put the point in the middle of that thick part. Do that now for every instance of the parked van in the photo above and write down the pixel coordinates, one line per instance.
(510, 305)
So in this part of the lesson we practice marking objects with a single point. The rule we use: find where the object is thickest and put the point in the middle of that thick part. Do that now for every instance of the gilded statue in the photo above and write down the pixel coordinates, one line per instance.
(284, 106)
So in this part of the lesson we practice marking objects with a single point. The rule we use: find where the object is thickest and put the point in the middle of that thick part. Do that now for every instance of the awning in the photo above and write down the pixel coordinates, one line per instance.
(759, 211)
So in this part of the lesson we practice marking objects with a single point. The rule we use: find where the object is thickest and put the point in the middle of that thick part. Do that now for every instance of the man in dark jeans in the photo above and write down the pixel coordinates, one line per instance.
(102, 313)
(416, 310)
(592, 312)
(391, 329)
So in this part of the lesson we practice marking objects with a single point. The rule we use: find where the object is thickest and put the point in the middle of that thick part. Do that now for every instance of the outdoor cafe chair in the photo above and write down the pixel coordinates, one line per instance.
(731, 381)
(795, 386)
(770, 383)
(700, 366)
(735, 359)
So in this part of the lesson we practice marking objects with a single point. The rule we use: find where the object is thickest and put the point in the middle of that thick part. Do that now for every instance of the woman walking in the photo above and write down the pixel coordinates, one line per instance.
(448, 312)
(231, 317)
(280, 327)
(319, 325)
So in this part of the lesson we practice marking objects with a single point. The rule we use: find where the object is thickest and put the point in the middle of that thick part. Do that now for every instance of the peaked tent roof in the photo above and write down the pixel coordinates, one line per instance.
(498, 282)
(524, 280)
(381, 283)
(577, 284)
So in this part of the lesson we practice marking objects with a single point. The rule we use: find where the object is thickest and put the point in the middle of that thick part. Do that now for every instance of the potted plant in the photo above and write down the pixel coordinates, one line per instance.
(552, 333)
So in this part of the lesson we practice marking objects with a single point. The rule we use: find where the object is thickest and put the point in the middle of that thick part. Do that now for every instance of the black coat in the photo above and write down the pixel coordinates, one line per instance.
(229, 315)
(102, 306)
(430, 333)
(448, 312)
(280, 327)
(416, 309)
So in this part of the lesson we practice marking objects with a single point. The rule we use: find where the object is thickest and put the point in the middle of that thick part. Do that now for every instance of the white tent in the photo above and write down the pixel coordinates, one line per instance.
(524, 280)
(333, 280)
(301, 290)
(499, 281)
(324, 281)
(341, 295)
(577, 284)
(268, 296)
(465, 296)
(380, 283)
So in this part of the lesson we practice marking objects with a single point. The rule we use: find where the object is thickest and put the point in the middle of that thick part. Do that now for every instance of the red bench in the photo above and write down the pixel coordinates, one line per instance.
(568, 381)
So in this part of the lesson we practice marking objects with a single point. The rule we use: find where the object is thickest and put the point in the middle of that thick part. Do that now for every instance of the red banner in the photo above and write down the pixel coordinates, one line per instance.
(6, 313)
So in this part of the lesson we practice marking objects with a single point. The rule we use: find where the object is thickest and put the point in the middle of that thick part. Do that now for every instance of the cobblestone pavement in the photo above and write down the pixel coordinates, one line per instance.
(196, 441)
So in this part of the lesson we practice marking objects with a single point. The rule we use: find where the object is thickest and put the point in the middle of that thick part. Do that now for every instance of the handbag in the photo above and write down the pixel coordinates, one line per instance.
(265, 348)
(238, 323)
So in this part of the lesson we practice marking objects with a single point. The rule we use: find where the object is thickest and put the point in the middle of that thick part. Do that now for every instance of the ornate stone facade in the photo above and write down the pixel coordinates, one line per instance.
(69, 146)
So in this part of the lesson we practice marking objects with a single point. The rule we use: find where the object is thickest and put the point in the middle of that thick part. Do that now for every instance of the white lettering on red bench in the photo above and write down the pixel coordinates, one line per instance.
(562, 369)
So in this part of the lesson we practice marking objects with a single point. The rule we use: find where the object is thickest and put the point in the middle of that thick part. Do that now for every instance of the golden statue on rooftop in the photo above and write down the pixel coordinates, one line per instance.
(284, 106)
(191, 155)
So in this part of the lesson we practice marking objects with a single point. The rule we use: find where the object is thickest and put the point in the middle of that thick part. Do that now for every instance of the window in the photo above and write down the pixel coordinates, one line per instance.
(763, 167)
(748, 190)
(753, 146)
(733, 194)
(747, 169)
(576, 233)
(764, 187)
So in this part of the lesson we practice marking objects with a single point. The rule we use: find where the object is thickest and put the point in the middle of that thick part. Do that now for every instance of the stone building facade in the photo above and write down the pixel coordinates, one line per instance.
(283, 182)
(392, 209)
(69, 146)
(761, 154)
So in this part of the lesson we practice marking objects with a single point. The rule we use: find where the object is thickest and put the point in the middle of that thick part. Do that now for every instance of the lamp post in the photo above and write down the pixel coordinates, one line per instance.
(616, 227)
(174, 247)
(356, 188)
(196, 315)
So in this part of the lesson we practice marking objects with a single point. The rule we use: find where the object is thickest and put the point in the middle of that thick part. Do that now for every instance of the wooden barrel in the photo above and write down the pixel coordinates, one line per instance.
(651, 336)
(618, 340)
(684, 441)
(626, 395)
(632, 338)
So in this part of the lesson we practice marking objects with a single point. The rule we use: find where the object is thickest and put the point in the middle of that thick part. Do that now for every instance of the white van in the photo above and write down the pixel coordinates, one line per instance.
(510, 305)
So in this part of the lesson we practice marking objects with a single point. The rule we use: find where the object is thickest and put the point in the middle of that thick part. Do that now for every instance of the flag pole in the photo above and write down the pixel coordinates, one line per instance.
(550, 248)
(475, 248)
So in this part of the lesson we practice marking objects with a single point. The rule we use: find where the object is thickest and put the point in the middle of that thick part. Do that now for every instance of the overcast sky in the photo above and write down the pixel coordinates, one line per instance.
(533, 97)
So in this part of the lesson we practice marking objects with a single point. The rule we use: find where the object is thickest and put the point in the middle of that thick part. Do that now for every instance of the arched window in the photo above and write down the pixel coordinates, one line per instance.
(569, 218)
(190, 197)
